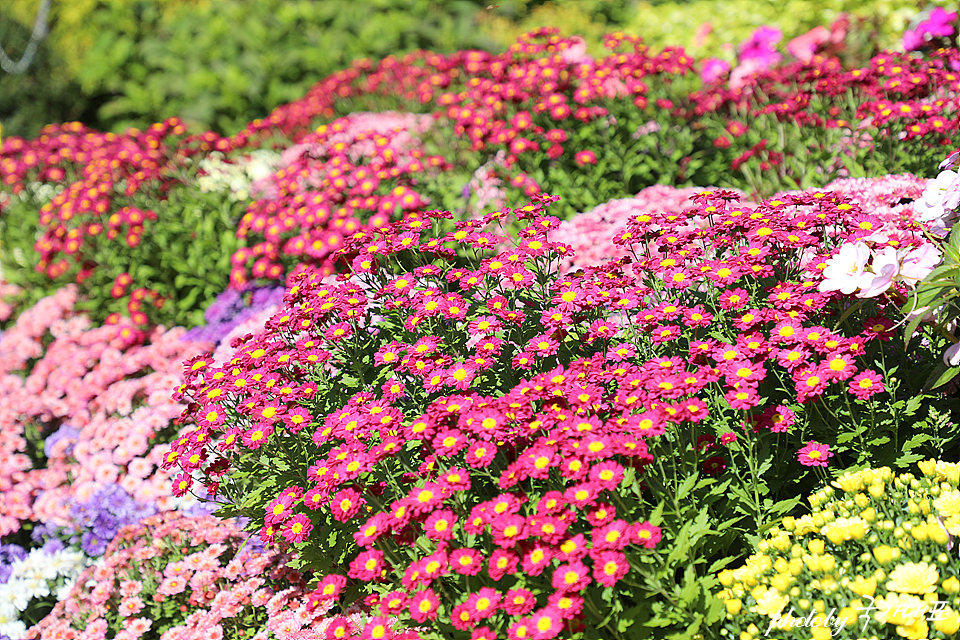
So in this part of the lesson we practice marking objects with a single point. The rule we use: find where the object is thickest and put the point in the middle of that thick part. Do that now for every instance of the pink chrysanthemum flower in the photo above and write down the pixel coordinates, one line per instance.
(814, 455)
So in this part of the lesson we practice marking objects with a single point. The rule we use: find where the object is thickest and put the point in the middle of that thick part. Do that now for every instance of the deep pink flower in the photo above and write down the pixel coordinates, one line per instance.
(378, 628)
(466, 562)
(814, 455)
(573, 576)
(585, 157)
(647, 534)
(424, 605)
(501, 563)
(297, 529)
(866, 384)
(367, 565)
(609, 567)
(439, 525)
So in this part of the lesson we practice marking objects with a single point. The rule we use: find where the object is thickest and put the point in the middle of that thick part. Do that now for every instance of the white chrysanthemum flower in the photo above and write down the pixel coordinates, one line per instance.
(11, 626)
(66, 563)
(37, 566)
(12, 594)
(36, 587)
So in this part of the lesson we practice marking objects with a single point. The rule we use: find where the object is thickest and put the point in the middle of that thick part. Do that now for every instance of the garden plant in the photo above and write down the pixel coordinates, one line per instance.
(585, 339)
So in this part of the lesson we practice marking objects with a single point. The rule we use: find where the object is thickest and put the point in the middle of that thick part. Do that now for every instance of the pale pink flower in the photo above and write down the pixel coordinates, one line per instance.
(845, 270)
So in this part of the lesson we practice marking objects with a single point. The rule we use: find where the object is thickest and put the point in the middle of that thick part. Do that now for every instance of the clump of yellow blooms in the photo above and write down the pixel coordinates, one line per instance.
(875, 558)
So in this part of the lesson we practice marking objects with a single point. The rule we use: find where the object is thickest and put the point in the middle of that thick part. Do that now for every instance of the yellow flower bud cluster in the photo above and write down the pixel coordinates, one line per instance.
(874, 558)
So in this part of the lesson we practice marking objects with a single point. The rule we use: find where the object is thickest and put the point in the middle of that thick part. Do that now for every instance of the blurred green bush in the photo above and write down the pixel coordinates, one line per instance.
(43, 94)
(218, 64)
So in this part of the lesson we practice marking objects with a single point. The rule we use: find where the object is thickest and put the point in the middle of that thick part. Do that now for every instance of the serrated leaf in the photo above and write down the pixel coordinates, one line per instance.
(686, 487)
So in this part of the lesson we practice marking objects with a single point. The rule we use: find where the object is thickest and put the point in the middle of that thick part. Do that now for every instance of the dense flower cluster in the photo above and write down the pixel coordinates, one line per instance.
(898, 96)
(873, 558)
(82, 409)
(112, 167)
(715, 313)
(177, 577)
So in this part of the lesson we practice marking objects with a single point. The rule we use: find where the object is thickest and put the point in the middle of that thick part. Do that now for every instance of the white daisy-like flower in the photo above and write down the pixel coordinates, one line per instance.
(12, 594)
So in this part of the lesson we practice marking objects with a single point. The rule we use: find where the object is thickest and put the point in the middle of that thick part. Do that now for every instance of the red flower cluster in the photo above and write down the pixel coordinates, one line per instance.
(100, 173)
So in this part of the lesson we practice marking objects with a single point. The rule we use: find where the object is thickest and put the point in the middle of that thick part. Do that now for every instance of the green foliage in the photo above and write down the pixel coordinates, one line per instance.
(218, 66)
(42, 94)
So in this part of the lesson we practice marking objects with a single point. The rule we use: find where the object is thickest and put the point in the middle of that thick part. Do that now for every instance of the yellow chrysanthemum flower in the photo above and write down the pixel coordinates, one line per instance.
(940, 470)
(843, 529)
(885, 554)
(863, 586)
(913, 577)
(770, 602)
(946, 621)
(948, 504)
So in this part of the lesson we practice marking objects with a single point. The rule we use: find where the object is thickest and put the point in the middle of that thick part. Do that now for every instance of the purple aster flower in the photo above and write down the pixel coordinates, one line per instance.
(65, 432)
(9, 553)
(233, 307)
(97, 521)
(92, 545)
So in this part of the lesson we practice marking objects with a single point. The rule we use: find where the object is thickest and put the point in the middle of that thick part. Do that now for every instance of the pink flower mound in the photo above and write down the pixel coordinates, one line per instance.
(591, 234)
(880, 196)
(21, 343)
(168, 560)
(111, 385)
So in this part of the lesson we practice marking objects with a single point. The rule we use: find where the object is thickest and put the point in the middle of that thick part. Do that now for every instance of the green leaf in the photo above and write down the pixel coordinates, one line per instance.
(941, 376)
(686, 486)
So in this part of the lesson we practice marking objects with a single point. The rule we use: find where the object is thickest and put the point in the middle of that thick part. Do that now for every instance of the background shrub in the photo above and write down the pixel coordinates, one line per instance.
(217, 64)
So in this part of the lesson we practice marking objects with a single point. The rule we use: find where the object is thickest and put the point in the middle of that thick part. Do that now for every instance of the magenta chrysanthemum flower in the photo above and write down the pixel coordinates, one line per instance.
(297, 528)
(866, 384)
(585, 157)
(814, 455)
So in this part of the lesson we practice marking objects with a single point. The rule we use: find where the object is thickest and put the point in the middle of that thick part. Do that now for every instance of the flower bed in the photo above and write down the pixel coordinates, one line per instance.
(424, 398)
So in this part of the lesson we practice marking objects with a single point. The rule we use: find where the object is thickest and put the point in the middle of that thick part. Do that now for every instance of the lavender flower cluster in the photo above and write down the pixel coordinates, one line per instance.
(232, 308)
(95, 523)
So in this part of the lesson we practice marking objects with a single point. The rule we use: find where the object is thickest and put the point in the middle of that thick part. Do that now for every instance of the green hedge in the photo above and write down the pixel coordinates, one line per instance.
(219, 64)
